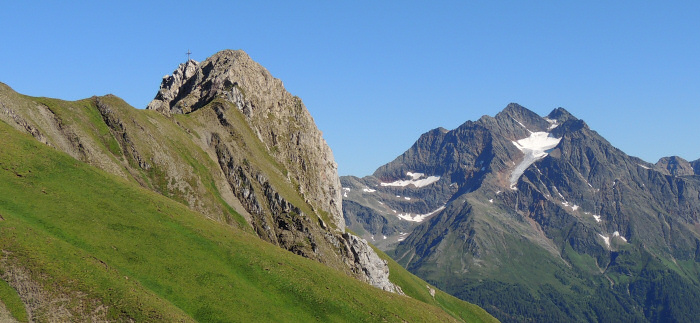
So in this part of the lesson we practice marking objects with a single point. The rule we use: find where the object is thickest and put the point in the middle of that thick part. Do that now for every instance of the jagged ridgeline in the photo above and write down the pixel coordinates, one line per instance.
(539, 219)
(219, 202)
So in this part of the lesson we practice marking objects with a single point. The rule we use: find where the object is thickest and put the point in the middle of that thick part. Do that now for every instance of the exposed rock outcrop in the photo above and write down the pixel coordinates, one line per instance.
(281, 122)
(44, 305)
(375, 269)
(170, 88)
(675, 166)
(279, 119)
(505, 209)
(224, 138)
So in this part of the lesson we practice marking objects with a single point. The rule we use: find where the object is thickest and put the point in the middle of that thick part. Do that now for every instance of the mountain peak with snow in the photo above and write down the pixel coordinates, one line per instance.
(546, 198)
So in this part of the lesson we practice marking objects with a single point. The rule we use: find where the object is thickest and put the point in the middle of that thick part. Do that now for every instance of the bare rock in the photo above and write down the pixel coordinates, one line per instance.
(279, 119)
(171, 85)
(374, 269)
(675, 166)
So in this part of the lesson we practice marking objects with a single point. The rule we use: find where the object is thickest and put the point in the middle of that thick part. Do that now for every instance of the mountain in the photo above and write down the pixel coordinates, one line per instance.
(538, 219)
(219, 202)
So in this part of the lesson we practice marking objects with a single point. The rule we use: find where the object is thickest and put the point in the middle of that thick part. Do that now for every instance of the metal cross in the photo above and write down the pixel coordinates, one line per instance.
(188, 54)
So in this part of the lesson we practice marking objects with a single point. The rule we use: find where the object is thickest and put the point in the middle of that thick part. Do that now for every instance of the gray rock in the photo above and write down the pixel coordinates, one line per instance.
(375, 269)
(675, 166)
(171, 85)
(279, 119)
(585, 198)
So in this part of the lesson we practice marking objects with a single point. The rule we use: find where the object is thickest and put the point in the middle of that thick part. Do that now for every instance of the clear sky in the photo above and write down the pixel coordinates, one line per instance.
(377, 74)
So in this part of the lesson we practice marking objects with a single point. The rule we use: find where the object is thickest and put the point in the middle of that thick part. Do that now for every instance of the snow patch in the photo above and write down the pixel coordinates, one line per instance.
(597, 218)
(606, 239)
(407, 198)
(573, 207)
(642, 166)
(418, 217)
(384, 237)
(491, 200)
(522, 125)
(534, 148)
(368, 190)
(552, 123)
(562, 196)
(617, 234)
(415, 176)
(564, 202)
(417, 180)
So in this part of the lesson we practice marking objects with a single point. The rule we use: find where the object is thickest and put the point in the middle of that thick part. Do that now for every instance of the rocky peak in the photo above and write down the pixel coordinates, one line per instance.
(515, 122)
(560, 115)
(279, 119)
(696, 166)
(570, 126)
(171, 85)
(675, 166)
(518, 181)
(225, 73)
(521, 114)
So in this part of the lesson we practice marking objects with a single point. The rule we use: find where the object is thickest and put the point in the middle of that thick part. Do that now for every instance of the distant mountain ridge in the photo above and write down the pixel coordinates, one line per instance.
(538, 208)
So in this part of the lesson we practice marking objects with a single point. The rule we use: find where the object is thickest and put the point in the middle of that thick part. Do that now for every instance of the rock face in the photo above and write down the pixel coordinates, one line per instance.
(523, 205)
(170, 88)
(375, 268)
(224, 138)
(279, 119)
(675, 166)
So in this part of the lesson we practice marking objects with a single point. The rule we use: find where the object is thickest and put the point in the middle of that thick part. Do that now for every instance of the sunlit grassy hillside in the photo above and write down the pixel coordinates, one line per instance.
(99, 247)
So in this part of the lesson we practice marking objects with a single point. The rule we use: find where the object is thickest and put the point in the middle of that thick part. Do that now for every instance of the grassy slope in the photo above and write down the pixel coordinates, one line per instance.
(155, 137)
(12, 301)
(418, 289)
(149, 258)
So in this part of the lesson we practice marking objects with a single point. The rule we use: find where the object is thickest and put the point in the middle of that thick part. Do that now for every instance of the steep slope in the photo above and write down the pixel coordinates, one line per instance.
(696, 166)
(537, 214)
(79, 244)
(236, 146)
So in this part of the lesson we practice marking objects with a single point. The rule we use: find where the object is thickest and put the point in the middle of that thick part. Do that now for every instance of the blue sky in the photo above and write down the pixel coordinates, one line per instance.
(377, 75)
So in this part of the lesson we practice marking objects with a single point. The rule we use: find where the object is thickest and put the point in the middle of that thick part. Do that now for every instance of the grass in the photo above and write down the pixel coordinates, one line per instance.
(419, 289)
(83, 231)
(13, 303)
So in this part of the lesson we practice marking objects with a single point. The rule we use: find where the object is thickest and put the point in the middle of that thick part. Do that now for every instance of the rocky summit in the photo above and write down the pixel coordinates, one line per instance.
(231, 142)
(538, 219)
(219, 202)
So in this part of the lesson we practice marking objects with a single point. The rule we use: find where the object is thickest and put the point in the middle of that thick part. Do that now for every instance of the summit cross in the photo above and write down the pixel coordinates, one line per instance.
(188, 55)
